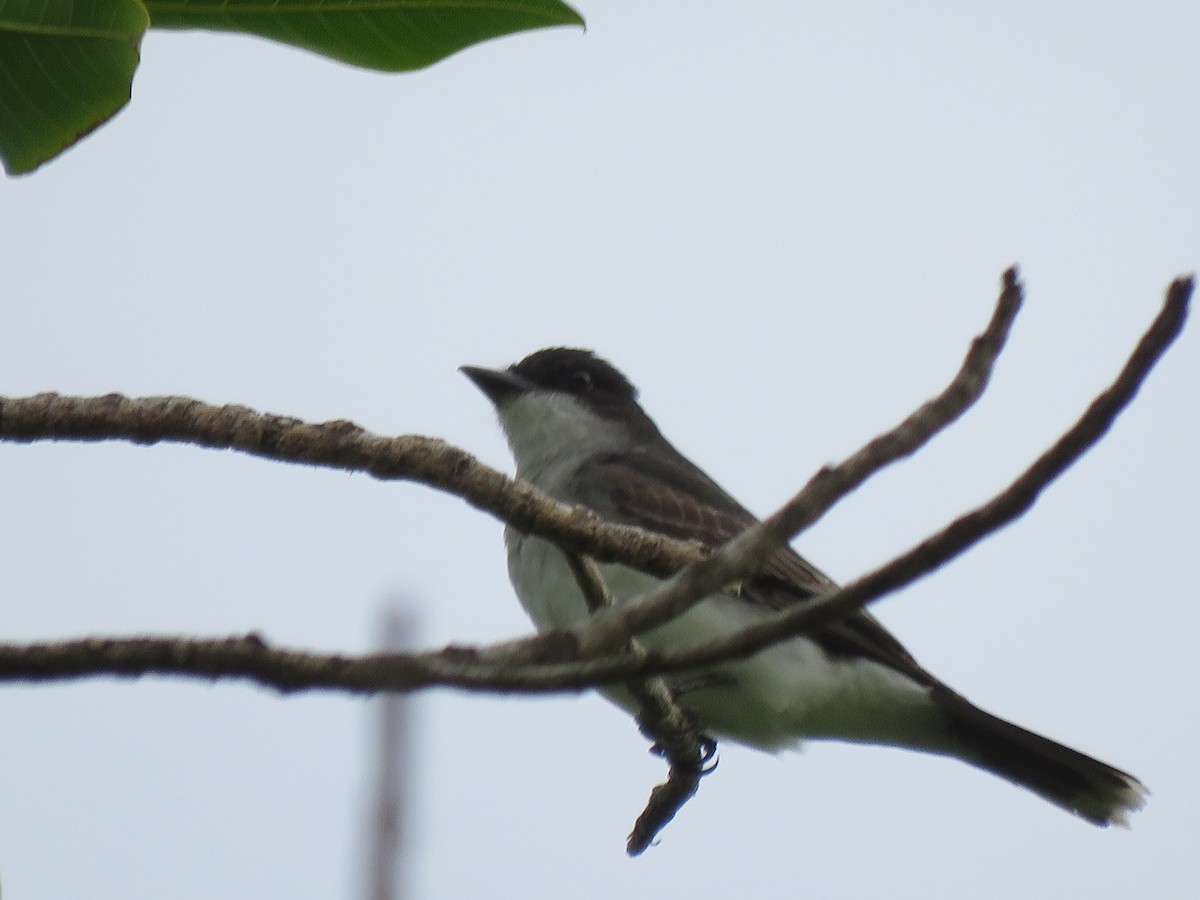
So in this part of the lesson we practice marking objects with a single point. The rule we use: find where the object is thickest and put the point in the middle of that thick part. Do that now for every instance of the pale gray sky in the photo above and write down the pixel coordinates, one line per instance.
(818, 197)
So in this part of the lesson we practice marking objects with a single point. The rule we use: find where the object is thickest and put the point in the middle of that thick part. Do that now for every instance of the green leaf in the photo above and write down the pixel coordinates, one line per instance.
(65, 68)
(392, 35)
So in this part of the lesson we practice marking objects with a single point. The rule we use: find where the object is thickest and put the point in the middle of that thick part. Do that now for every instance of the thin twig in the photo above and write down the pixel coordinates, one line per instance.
(667, 724)
(972, 527)
(745, 554)
(590, 580)
(676, 738)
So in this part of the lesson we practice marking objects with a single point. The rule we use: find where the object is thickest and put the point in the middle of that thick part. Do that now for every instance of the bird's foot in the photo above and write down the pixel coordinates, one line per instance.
(706, 759)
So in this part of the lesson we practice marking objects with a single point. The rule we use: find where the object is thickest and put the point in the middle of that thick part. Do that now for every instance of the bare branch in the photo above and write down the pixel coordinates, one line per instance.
(341, 445)
(675, 735)
(604, 650)
(535, 665)
(968, 529)
(248, 657)
(745, 554)
(661, 719)
(590, 580)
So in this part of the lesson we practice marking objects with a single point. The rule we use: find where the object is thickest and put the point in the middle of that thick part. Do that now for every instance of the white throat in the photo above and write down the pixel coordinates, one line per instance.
(551, 433)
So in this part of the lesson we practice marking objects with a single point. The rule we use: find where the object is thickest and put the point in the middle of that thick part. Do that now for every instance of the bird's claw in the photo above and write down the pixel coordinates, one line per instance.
(706, 761)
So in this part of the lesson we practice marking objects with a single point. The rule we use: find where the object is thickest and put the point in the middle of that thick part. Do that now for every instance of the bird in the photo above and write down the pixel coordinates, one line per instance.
(578, 433)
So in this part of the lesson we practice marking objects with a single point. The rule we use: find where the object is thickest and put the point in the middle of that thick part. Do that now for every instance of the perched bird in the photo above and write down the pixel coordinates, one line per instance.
(577, 432)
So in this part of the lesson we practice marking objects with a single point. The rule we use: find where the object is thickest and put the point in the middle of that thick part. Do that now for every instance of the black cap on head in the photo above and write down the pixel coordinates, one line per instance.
(578, 372)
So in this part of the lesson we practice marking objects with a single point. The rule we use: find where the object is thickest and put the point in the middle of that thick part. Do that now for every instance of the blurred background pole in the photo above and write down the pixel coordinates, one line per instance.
(389, 805)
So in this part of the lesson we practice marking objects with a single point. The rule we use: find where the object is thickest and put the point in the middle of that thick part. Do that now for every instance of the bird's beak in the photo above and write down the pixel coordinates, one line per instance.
(499, 385)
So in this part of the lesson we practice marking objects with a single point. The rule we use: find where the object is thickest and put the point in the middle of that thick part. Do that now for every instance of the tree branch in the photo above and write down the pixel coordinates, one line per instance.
(339, 444)
(660, 718)
(969, 529)
(535, 665)
(604, 649)
(343, 445)
(745, 554)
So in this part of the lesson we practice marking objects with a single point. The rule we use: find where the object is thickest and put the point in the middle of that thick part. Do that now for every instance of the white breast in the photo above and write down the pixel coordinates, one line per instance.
(788, 692)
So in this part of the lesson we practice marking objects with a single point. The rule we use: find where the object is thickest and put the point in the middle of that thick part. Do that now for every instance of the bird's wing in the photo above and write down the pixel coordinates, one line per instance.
(667, 494)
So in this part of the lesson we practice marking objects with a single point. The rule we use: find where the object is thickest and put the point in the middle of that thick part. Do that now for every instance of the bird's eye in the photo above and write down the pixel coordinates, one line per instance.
(582, 380)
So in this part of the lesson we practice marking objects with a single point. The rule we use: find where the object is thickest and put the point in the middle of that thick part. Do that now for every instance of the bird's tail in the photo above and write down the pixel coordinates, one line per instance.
(1067, 778)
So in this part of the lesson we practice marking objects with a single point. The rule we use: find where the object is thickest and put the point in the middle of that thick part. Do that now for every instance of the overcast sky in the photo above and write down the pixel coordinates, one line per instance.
(784, 221)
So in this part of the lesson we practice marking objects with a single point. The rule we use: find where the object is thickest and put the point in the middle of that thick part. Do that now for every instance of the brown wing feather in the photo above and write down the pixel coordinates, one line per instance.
(703, 511)
(656, 506)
